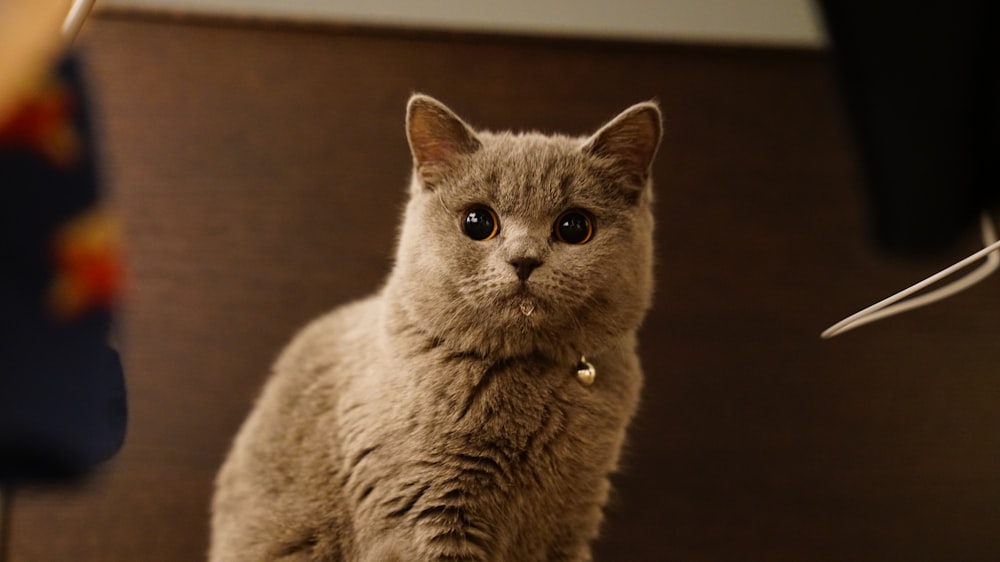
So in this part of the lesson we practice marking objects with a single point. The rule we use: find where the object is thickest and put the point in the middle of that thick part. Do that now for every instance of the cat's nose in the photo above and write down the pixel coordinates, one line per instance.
(524, 267)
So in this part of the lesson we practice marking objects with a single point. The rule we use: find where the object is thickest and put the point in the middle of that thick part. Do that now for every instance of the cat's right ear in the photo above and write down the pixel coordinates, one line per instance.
(437, 137)
(630, 141)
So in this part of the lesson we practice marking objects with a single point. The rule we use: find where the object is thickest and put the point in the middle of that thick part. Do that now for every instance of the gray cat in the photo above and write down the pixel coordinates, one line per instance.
(474, 408)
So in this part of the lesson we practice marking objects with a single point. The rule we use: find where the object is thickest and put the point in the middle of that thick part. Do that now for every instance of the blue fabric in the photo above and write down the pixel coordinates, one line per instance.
(62, 390)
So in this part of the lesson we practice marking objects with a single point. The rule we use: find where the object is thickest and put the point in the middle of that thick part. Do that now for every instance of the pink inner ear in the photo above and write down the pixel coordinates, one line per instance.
(437, 136)
(632, 140)
(431, 150)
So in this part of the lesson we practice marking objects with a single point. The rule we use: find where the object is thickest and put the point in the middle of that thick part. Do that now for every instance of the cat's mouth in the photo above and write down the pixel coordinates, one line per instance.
(526, 299)
(525, 291)
(527, 307)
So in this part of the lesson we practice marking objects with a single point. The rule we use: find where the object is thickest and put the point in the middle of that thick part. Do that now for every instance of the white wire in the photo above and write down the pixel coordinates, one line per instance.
(892, 305)
(75, 18)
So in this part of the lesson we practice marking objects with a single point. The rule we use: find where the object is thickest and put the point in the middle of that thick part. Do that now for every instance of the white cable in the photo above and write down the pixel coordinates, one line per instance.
(892, 306)
(74, 20)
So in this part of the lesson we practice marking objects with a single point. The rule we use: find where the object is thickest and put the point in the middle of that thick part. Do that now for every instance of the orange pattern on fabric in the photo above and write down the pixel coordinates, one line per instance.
(44, 123)
(89, 270)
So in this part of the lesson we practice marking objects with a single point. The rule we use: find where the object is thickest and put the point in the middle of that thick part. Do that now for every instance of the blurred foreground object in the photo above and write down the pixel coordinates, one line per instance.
(62, 393)
(922, 93)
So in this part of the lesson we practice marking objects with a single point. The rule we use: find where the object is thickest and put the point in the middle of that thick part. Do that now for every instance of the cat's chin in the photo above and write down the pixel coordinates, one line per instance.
(518, 319)
(525, 304)
(534, 317)
(523, 299)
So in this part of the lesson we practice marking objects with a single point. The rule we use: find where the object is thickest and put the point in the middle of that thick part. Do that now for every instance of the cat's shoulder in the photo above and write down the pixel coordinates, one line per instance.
(348, 320)
(335, 337)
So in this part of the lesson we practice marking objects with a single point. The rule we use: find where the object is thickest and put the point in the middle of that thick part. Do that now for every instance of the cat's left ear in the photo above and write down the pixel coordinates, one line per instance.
(437, 137)
(630, 141)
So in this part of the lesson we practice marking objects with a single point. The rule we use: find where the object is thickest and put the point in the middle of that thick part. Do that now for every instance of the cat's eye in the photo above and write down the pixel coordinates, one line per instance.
(480, 223)
(574, 227)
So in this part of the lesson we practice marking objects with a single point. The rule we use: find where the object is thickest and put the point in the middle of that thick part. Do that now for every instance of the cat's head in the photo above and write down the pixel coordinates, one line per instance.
(526, 243)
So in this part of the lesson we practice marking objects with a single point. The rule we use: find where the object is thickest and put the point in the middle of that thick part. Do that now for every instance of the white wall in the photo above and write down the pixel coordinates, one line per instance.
(781, 22)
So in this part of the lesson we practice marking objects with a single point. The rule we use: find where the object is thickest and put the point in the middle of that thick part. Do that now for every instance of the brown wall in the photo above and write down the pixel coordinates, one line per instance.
(259, 171)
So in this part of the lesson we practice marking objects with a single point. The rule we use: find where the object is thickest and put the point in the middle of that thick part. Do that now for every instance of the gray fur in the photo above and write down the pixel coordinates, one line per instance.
(437, 420)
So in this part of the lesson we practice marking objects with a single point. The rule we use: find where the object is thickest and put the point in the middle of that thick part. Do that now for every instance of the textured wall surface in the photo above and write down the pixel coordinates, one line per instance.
(259, 172)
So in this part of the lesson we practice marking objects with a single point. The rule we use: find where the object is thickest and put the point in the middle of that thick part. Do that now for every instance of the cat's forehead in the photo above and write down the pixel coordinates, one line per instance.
(528, 143)
(519, 171)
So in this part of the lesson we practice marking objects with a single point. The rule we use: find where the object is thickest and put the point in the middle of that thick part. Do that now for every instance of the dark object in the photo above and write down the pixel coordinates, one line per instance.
(921, 88)
(62, 394)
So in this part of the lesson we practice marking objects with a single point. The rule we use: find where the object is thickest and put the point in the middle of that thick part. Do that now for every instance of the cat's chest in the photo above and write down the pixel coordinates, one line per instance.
(481, 455)
(508, 415)
(509, 400)
(463, 455)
